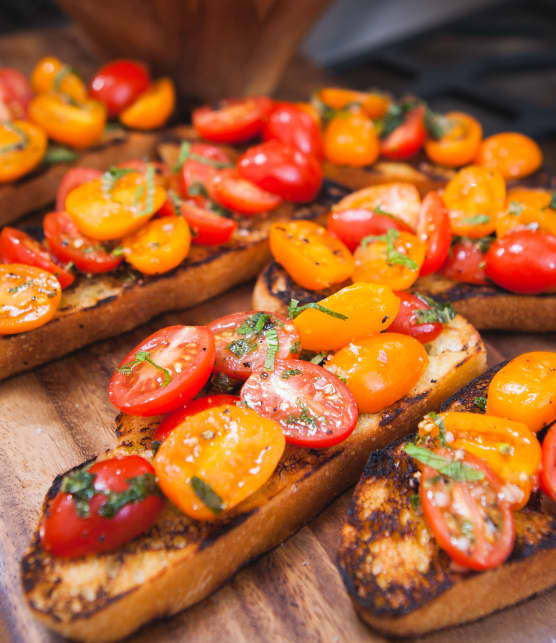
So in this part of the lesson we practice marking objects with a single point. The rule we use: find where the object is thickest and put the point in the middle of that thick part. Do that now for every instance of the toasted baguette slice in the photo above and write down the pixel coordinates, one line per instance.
(400, 581)
(180, 561)
(486, 307)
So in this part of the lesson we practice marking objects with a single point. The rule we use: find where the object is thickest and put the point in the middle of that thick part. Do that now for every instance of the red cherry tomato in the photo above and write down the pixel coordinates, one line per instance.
(407, 139)
(208, 228)
(232, 121)
(73, 179)
(15, 94)
(164, 371)
(314, 408)
(17, 246)
(434, 229)
(196, 173)
(466, 263)
(523, 261)
(170, 422)
(119, 83)
(292, 125)
(406, 322)
(352, 226)
(548, 469)
(65, 533)
(282, 170)
(242, 341)
(470, 520)
(235, 193)
(68, 244)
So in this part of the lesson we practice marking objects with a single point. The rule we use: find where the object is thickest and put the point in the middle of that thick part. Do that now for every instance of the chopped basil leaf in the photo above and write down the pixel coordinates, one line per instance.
(319, 358)
(241, 347)
(437, 313)
(481, 403)
(149, 199)
(326, 113)
(221, 383)
(144, 356)
(454, 469)
(176, 201)
(182, 156)
(155, 446)
(16, 146)
(304, 417)
(552, 204)
(59, 154)
(393, 256)
(197, 189)
(139, 488)
(515, 208)
(294, 309)
(478, 219)
(295, 347)
(415, 500)
(291, 372)
(186, 153)
(118, 251)
(80, 484)
(207, 495)
(437, 125)
(64, 71)
(272, 346)
(440, 424)
(15, 289)
(111, 176)
(395, 116)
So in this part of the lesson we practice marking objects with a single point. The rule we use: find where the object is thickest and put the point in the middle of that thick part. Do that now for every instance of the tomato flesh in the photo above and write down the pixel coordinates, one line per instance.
(118, 83)
(435, 230)
(15, 94)
(292, 125)
(314, 408)
(548, 470)
(232, 120)
(352, 226)
(407, 139)
(198, 175)
(66, 534)
(242, 341)
(72, 179)
(208, 228)
(406, 322)
(164, 371)
(235, 193)
(466, 263)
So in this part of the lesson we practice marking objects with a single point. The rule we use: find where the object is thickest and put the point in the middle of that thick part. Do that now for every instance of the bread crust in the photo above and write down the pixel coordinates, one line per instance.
(180, 561)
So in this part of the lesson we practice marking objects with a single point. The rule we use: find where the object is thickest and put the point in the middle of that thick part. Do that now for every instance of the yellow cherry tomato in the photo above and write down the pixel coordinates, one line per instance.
(510, 448)
(158, 246)
(153, 108)
(76, 124)
(400, 199)
(310, 254)
(374, 104)
(104, 212)
(215, 459)
(475, 198)
(512, 154)
(525, 390)
(360, 309)
(379, 370)
(29, 297)
(52, 74)
(22, 146)
(350, 139)
(393, 259)
(527, 207)
(459, 144)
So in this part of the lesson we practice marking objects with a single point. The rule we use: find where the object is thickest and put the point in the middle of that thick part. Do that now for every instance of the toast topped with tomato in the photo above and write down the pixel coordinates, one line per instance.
(222, 479)
(410, 568)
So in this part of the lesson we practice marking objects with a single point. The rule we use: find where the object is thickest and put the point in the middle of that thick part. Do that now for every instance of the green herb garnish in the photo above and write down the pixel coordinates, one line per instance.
(478, 219)
(515, 208)
(437, 313)
(304, 417)
(319, 358)
(118, 251)
(437, 125)
(207, 495)
(395, 116)
(111, 176)
(480, 403)
(80, 484)
(290, 372)
(155, 446)
(454, 469)
(144, 356)
(504, 448)
(294, 309)
(15, 289)
(139, 488)
(272, 346)
(59, 154)
(440, 424)
(393, 256)
(186, 153)
(16, 146)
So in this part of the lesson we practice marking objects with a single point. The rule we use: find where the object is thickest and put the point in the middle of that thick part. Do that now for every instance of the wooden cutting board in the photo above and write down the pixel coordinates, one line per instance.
(59, 415)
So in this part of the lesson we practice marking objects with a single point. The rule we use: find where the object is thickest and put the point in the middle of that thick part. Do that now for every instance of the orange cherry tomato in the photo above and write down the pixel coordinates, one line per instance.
(393, 259)
(103, 214)
(459, 144)
(22, 146)
(51, 74)
(379, 370)
(153, 108)
(159, 246)
(217, 458)
(513, 155)
(29, 297)
(361, 309)
(525, 390)
(310, 254)
(374, 104)
(509, 448)
(401, 200)
(527, 207)
(350, 139)
(475, 197)
(76, 124)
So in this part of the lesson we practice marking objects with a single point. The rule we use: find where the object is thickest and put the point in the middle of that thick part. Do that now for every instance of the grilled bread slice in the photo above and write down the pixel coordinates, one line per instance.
(486, 307)
(400, 581)
(180, 561)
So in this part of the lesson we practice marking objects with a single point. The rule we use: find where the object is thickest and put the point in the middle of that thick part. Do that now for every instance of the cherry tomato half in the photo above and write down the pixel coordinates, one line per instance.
(66, 534)
(164, 371)
(408, 138)
(282, 170)
(459, 143)
(512, 154)
(152, 108)
(244, 342)
(208, 227)
(200, 168)
(118, 83)
(236, 193)
(22, 147)
(466, 263)
(72, 179)
(548, 471)
(352, 226)
(469, 520)
(350, 139)
(29, 297)
(407, 323)
(292, 125)
(15, 94)
(314, 408)
(524, 261)
(17, 246)
(435, 231)
(68, 244)
(171, 421)
(233, 120)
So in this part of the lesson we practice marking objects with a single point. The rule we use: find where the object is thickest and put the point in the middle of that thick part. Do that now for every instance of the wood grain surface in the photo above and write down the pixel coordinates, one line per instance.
(59, 415)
